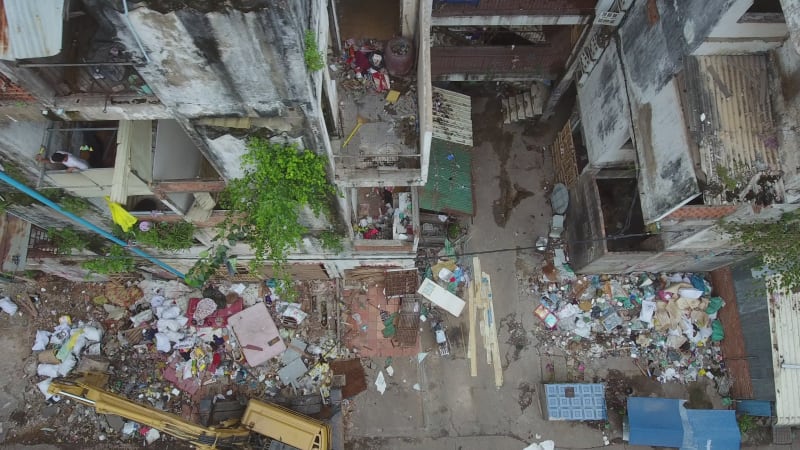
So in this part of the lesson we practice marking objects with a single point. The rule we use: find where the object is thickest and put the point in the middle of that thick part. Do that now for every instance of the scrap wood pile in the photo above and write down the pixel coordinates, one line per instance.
(481, 309)
(666, 322)
(173, 349)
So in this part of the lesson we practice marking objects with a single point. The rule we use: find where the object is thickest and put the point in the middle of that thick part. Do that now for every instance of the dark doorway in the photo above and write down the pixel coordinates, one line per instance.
(622, 213)
(373, 19)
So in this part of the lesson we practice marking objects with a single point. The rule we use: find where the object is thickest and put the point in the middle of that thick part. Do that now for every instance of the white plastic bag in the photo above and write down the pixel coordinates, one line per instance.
(93, 334)
(67, 365)
(8, 306)
(40, 343)
(47, 370)
(43, 386)
(162, 343)
(144, 316)
(168, 312)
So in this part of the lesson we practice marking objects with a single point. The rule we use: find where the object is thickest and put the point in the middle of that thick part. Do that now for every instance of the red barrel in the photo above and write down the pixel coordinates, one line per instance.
(399, 56)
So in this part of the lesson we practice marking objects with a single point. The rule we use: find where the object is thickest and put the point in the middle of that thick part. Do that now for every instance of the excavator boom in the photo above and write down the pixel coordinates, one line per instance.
(84, 390)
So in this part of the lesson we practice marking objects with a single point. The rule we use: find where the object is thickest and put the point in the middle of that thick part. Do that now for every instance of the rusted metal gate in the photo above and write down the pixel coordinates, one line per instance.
(401, 282)
(407, 321)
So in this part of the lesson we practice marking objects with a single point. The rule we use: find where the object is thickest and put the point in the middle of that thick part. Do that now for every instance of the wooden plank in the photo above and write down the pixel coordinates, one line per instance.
(492, 333)
(512, 102)
(122, 163)
(520, 107)
(473, 333)
(526, 98)
(476, 274)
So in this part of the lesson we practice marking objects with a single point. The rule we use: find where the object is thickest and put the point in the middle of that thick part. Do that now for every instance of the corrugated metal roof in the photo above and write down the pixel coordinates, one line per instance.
(30, 28)
(584, 401)
(784, 324)
(452, 116)
(449, 187)
(730, 116)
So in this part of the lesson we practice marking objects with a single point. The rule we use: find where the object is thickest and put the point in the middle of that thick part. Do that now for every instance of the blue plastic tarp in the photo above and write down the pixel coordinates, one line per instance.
(665, 422)
(759, 408)
(655, 421)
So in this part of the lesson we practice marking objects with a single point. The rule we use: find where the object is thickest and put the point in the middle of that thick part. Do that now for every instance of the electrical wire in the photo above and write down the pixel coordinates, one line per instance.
(472, 253)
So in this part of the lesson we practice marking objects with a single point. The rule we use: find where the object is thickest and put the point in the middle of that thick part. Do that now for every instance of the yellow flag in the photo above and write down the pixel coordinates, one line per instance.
(120, 216)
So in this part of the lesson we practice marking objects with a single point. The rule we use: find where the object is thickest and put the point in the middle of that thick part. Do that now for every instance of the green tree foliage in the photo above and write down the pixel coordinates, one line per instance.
(311, 54)
(775, 243)
(164, 236)
(264, 205)
(117, 261)
(66, 240)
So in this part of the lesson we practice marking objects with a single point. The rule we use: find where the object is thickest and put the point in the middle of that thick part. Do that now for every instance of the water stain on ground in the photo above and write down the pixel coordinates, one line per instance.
(510, 198)
(488, 129)
(698, 398)
(526, 392)
(517, 337)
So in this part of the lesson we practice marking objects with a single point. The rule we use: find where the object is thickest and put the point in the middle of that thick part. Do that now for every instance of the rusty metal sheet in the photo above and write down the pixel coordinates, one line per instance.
(30, 29)
(730, 115)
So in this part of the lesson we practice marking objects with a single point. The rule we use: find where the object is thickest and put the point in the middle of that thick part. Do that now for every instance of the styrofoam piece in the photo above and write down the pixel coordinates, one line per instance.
(440, 297)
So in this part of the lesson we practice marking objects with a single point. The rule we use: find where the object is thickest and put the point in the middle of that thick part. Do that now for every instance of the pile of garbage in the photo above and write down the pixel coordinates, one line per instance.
(666, 322)
(170, 347)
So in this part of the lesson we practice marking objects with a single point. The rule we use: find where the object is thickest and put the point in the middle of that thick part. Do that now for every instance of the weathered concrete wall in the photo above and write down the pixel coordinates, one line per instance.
(785, 96)
(667, 178)
(791, 11)
(605, 111)
(410, 13)
(19, 141)
(424, 89)
(218, 63)
(729, 37)
(729, 27)
(657, 35)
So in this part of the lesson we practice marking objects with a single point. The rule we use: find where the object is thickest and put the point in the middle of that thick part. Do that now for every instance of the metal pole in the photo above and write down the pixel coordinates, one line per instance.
(133, 31)
(46, 201)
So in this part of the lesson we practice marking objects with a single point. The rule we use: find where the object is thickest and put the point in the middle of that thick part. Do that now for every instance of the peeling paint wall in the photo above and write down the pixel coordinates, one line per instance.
(667, 179)
(656, 35)
(729, 26)
(217, 63)
(19, 141)
(605, 111)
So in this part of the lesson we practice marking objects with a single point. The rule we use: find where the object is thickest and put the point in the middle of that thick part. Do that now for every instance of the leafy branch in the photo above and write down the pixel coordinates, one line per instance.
(311, 54)
(116, 261)
(775, 243)
(264, 205)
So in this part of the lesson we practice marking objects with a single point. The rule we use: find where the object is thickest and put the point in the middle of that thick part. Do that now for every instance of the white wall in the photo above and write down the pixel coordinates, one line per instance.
(425, 89)
(731, 37)
(410, 12)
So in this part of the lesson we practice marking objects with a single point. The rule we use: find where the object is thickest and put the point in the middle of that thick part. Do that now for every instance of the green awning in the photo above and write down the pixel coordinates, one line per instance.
(449, 187)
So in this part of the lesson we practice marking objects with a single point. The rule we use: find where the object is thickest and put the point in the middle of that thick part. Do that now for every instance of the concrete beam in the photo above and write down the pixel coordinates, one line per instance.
(217, 216)
(507, 21)
(192, 185)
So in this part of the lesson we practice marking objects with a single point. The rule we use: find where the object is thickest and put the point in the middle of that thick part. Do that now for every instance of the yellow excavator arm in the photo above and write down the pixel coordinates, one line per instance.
(84, 390)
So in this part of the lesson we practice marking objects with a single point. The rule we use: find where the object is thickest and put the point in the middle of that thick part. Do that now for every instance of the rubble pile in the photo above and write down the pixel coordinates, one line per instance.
(666, 322)
(172, 348)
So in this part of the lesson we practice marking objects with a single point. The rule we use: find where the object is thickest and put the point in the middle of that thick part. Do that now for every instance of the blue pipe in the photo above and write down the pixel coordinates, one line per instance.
(4, 177)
